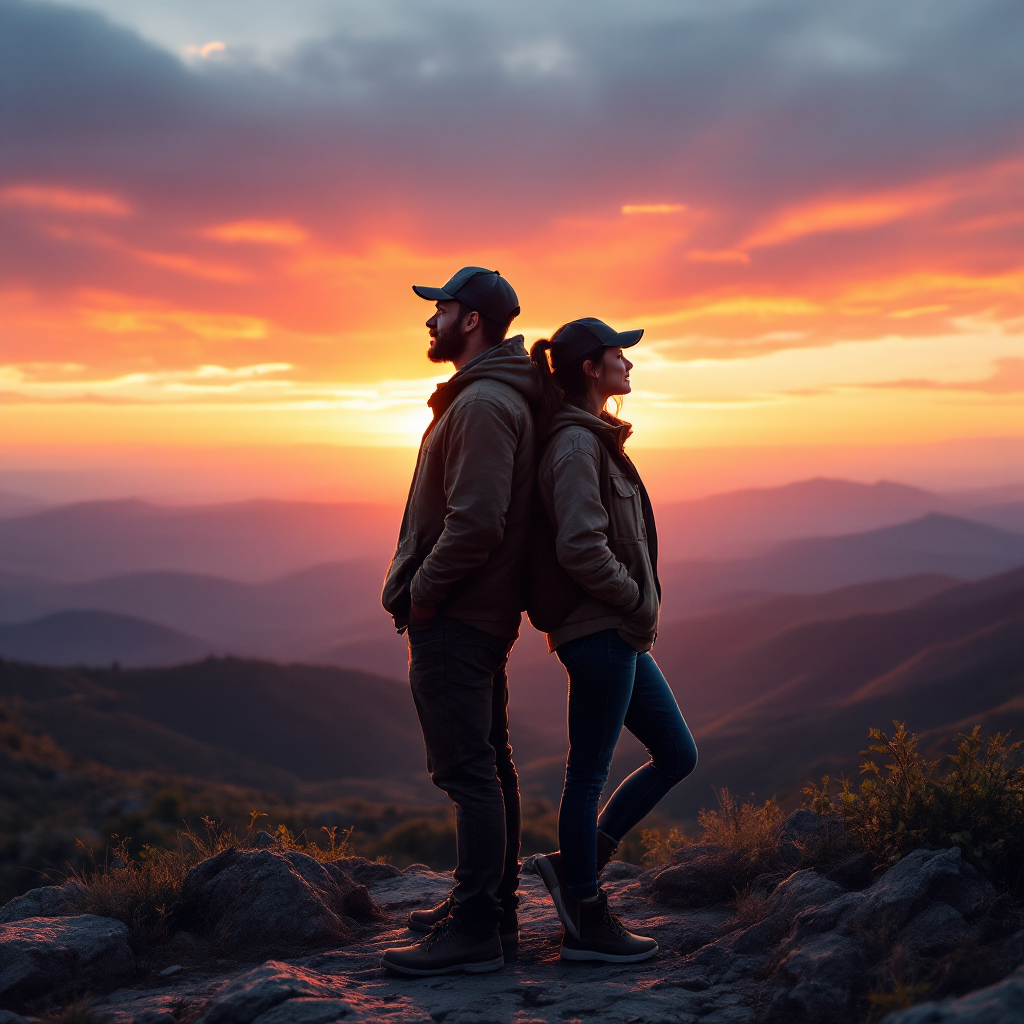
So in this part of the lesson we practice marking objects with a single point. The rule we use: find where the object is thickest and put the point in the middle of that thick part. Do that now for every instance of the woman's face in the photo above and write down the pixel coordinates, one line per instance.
(613, 374)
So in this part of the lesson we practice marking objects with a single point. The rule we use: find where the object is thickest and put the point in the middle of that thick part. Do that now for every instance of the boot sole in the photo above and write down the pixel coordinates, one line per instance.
(415, 927)
(580, 955)
(550, 879)
(483, 967)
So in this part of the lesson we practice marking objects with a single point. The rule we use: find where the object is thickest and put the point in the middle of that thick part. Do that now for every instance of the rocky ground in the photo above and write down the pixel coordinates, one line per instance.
(800, 947)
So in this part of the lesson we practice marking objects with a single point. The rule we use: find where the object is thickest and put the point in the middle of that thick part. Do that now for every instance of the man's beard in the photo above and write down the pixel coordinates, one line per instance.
(448, 345)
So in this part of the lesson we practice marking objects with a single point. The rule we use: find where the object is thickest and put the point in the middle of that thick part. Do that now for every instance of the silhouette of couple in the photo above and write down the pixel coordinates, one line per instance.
(523, 498)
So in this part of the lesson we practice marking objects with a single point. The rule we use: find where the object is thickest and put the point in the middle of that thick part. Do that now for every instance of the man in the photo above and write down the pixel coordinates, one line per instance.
(456, 583)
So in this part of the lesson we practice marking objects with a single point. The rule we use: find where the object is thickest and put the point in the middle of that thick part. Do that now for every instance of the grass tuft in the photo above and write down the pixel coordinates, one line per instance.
(140, 890)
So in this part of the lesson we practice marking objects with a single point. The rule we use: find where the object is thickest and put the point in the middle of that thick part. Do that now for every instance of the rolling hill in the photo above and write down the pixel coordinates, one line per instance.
(801, 703)
(284, 618)
(88, 637)
(947, 545)
(251, 541)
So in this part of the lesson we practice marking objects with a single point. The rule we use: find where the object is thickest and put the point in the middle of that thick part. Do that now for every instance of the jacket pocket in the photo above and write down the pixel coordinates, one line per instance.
(626, 515)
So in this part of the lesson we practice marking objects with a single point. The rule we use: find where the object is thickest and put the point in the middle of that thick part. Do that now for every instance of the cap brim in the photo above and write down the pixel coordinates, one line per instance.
(627, 339)
(432, 294)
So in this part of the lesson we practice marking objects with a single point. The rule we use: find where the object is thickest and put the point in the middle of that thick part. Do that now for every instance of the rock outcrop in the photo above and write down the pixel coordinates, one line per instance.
(798, 947)
(47, 956)
(266, 899)
(997, 1004)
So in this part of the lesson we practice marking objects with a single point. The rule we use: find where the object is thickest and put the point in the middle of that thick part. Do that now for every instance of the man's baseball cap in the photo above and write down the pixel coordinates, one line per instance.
(580, 339)
(486, 291)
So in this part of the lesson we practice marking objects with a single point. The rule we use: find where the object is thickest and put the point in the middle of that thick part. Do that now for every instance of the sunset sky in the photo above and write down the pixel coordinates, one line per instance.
(211, 214)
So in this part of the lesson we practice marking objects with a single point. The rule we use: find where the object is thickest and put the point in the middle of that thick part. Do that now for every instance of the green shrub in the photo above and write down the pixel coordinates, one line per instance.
(973, 799)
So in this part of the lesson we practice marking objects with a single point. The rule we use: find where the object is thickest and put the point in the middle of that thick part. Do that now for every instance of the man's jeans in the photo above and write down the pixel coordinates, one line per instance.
(611, 685)
(457, 675)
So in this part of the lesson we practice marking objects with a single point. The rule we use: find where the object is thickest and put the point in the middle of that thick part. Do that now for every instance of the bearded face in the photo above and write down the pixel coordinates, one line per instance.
(447, 340)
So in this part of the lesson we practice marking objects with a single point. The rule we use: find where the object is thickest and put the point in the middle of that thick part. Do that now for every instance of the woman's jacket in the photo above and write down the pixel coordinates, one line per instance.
(595, 557)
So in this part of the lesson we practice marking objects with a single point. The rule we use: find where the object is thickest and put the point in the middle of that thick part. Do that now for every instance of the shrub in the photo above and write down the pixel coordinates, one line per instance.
(747, 828)
(659, 847)
(140, 890)
(910, 802)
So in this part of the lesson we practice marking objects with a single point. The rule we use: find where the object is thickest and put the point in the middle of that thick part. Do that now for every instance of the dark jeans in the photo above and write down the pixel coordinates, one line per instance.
(457, 675)
(611, 685)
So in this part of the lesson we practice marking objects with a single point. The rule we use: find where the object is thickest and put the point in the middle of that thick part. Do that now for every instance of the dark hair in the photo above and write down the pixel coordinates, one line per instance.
(569, 383)
(493, 332)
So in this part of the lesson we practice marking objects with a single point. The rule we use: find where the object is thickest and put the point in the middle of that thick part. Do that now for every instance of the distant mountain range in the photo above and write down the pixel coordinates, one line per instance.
(252, 541)
(747, 522)
(293, 616)
(330, 614)
(935, 543)
(87, 637)
(257, 541)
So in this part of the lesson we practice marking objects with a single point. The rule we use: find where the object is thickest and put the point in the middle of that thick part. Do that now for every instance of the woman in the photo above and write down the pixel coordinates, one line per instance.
(597, 596)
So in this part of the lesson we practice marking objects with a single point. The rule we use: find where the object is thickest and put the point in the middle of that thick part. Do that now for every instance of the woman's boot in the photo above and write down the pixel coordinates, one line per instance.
(592, 932)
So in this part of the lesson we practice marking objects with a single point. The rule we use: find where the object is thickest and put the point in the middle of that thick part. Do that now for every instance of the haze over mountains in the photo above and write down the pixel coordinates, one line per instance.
(294, 581)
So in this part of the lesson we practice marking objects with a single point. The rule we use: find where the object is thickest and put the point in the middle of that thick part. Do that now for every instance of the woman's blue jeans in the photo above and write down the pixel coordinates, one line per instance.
(611, 685)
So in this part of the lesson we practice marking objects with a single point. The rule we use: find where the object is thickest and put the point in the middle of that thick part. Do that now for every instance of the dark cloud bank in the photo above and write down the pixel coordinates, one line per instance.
(518, 114)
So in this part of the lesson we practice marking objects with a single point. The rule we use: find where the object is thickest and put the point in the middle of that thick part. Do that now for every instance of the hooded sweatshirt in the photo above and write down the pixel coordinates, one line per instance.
(465, 532)
(604, 536)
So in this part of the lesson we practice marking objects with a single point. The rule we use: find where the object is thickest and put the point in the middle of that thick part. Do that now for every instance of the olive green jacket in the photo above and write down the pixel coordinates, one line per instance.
(604, 534)
(463, 541)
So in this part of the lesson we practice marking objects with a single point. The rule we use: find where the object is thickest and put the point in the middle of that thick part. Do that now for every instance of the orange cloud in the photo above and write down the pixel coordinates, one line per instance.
(842, 215)
(632, 208)
(261, 232)
(1006, 379)
(64, 200)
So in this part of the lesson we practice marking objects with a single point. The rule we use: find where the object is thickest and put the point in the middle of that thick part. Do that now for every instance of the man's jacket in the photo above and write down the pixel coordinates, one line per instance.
(465, 532)
(601, 568)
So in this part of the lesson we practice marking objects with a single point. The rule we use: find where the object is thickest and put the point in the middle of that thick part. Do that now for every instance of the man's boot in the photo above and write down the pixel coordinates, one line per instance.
(445, 949)
(424, 920)
(508, 927)
(549, 867)
(594, 933)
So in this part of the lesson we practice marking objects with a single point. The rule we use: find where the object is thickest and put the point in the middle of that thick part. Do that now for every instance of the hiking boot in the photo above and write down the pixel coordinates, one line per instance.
(549, 867)
(508, 928)
(594, 933)
(508, 932)
(424, 920)
(445, 949)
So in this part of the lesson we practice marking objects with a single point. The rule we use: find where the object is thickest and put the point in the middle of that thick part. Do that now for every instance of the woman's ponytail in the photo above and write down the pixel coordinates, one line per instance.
(550, 392)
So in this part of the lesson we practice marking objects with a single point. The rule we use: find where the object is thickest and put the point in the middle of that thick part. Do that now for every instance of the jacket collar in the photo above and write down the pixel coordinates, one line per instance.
(507, 362)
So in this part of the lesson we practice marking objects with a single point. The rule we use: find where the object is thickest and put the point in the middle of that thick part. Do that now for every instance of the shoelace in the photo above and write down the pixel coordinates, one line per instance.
(614, 924)
(441, 931)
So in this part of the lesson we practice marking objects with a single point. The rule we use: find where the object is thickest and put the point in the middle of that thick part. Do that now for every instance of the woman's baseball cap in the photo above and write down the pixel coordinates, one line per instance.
(579, 339)
(486, 291)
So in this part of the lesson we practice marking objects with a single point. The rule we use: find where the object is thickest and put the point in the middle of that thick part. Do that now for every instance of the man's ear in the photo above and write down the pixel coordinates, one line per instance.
(471, 321)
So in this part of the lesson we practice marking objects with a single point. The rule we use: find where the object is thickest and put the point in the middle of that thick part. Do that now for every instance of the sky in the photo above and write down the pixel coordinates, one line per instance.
(211, 214)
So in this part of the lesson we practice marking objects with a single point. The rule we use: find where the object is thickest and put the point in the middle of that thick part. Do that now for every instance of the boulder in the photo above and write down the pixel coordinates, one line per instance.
(43, 956)
(272, 899)
(820, 979)
(936, 930)
(619, 869)
(46, 901)
(997, 1004)
(309, 1011)
(700, 876)
(258, 992)
(915, 882)
(367, 872)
